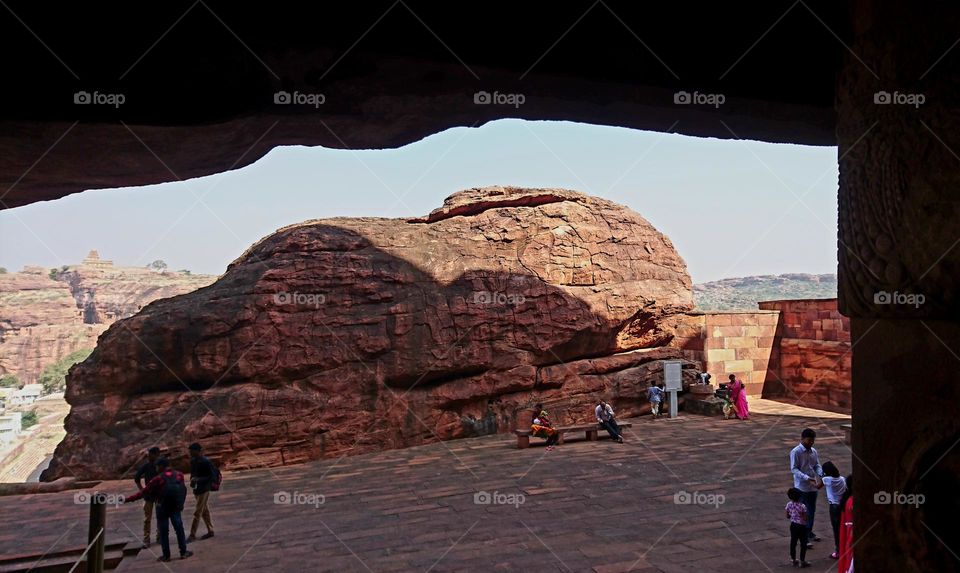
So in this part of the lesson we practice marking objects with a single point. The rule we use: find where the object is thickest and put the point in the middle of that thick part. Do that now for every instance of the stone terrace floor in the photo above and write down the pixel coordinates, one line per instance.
(587, 506)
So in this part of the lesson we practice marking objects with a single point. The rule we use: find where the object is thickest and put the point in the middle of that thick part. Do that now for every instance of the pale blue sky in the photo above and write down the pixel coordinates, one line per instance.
(732, 208)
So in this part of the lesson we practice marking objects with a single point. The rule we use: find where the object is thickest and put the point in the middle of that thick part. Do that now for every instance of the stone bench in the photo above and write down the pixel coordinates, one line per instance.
(591, 430)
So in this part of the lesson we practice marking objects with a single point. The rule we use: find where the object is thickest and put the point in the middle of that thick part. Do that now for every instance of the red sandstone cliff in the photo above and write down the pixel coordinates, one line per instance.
(39, 323)
(341, 336)
(42, 319)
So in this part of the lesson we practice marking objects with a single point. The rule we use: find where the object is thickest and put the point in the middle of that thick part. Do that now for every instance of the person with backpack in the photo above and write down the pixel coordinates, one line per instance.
(204, 478)
(145, 473)
(169, 491)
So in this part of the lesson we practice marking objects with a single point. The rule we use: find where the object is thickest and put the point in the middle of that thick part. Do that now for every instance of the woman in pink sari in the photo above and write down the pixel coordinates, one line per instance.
(738, 395)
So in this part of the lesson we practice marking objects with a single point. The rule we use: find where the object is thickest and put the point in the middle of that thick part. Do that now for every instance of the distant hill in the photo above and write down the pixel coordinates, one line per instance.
(743, 293)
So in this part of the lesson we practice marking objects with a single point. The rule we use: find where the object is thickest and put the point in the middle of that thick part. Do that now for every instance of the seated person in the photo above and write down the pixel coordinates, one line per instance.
(606, 420)
(542, 427)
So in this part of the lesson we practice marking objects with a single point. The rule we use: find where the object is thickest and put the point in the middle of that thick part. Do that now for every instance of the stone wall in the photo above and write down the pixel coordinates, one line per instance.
(813, 364)
(793, 350)
(731, 342)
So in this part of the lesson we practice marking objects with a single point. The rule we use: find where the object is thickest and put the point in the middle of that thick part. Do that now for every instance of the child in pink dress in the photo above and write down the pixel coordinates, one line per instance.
(797, 513)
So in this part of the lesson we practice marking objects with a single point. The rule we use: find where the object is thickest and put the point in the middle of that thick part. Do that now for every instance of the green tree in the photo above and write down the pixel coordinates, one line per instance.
(55, 273)
(184, 271)
(54, 376)
(29, 419)
(9, 381)
(158, 265)
(3, 270)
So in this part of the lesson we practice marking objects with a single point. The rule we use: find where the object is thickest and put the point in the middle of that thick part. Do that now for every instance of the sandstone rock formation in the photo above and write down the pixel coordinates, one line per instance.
(43, 319)
(341, 336)
(39, 323)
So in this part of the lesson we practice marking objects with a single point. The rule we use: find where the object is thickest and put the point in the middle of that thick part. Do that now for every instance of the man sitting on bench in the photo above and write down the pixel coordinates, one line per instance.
(605, 418)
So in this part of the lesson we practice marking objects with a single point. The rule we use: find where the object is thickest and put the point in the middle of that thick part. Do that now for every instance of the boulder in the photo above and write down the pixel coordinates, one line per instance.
(347, 335)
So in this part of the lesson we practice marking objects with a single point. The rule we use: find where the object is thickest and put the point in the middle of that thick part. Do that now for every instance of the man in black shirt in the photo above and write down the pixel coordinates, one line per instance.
(147, 472)
(202, 475)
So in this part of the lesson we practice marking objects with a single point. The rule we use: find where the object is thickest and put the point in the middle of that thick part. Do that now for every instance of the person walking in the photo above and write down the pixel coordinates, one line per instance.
(203, 475)
(605, 418)
(169, 492)
(145, 473)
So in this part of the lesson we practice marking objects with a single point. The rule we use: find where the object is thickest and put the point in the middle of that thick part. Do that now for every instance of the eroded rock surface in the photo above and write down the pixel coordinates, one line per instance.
(341, 336)
(46, 314)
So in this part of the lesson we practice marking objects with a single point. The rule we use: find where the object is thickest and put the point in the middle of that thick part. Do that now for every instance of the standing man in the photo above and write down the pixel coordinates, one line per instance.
(604, 415)
(169, 492)
(202, 475)
(805, 466)
(147, 472)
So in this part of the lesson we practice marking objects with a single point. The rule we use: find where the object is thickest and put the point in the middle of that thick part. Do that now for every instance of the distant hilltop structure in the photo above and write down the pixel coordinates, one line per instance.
(93, 260)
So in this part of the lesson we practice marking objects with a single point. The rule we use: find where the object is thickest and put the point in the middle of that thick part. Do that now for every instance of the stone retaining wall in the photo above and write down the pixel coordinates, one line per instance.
(795, 350)
(813, 365)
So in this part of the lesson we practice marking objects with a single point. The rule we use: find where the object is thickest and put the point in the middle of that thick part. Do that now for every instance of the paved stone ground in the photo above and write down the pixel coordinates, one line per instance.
(785, 408)
(587, 506)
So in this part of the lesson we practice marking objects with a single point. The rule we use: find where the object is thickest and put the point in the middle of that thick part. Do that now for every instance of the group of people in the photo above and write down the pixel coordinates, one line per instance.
(542, 426)
(809, 477)
(164, 492)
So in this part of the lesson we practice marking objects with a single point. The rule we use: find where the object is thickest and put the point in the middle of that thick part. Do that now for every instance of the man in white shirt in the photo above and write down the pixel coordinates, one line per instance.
(604, 415)
(806, 470)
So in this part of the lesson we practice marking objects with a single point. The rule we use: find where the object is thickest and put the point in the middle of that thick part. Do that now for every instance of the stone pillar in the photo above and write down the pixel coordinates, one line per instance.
(899, 267)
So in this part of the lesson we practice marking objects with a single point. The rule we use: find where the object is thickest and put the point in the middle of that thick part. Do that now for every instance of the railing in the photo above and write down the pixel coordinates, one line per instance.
(96, 536)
